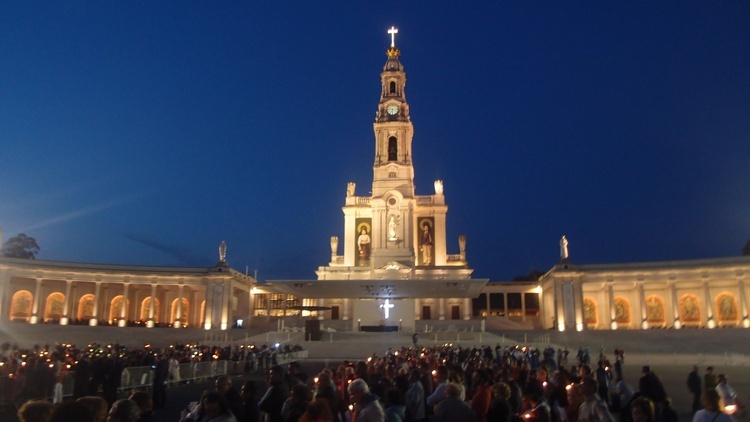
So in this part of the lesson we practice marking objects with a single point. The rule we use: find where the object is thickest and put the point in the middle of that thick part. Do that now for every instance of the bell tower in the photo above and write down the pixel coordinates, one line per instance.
(393, 233)
(393, 199)
(393, 130)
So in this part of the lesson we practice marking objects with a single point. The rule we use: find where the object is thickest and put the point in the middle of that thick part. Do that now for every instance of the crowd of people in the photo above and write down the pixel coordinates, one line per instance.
(418, 384)
(32, 378)
(450, 383)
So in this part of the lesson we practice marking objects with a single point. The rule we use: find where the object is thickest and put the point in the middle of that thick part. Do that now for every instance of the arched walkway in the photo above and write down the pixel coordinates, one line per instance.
(690, 309)
(146, 307)
(622, 311)
(590, 311)
(86, 307)
(53, 310)
(20, 305)
(655, 314)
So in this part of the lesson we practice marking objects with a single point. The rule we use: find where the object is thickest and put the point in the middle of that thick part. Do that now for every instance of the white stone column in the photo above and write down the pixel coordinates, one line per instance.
(417, 310)
(505, 305)
(194, 317)
(66, 303)
(151, 307)
(94, 321)
(439, 247)
(102, 302)
(345, 311)
(743, 302)
(467, 309)
(642, 300)
(323, 303)
(226, 304)
(580, 316)
(250, 306)
(523, 306)
(710, 320)
(124, 307)
(441, 309)
(675, 304)
(350, 238)
(542, 312)
(35, 305)
(178, 318)
(4, 283)
(268, 307)
(74, 302)
(409, 234)
(208, 309)
(487, 304)
(612, 310)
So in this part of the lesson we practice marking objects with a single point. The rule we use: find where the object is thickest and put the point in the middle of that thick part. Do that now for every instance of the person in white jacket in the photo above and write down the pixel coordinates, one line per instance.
(415, 403)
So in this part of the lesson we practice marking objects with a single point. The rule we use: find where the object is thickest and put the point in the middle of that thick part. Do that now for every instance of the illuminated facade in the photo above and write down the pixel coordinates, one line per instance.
(394, 245)
(706, 293)
(65, 293)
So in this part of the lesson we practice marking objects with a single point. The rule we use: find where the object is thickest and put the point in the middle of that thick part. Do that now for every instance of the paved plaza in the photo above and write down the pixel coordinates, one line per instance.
(669, 352)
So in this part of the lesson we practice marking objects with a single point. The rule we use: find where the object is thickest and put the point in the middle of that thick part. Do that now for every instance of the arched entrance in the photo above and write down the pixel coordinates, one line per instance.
(590, 311)
(20, 306)
(690, 309)
(185, 312)
(53, 309)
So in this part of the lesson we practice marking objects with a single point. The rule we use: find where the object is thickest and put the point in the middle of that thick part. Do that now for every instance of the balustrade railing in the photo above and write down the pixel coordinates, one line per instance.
(142, 377)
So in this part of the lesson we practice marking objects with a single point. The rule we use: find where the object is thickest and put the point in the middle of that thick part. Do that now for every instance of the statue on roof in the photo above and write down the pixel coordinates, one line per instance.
(564, 248)
(223, 251)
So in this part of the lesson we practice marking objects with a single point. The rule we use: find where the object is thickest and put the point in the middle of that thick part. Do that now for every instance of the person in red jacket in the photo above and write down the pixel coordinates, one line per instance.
(480, 400)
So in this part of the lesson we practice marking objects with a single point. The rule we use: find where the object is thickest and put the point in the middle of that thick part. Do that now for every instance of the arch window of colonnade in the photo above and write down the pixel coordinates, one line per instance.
(690, 311)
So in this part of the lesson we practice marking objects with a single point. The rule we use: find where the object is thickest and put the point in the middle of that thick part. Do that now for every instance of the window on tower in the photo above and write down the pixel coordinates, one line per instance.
(393, 87)
(392, 148)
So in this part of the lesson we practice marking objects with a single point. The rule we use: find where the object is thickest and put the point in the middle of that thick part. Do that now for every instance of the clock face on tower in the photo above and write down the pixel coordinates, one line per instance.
(392, 109)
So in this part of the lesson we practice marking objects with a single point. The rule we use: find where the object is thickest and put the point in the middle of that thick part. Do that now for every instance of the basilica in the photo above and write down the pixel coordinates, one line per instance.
(391, 270)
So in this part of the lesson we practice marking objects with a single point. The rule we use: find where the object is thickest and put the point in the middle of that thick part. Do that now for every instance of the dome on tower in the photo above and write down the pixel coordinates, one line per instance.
(393, 63)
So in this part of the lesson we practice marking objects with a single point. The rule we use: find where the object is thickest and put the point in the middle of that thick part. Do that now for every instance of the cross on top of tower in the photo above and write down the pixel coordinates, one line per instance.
(393, 31)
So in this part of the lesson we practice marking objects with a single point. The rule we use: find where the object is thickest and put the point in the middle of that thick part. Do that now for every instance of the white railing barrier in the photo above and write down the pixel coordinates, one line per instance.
(135, 377)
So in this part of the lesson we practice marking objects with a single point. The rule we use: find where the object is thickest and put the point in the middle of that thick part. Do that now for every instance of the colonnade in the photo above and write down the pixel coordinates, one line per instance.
(647, 301)
(178, 297)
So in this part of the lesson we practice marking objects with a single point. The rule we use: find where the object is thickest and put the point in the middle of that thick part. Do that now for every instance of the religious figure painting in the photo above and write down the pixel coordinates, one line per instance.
(21, 304)
(115, 309)
(183, 312)
(690, 309)
(364, 241)
(146, 309)
(426, 240)
(589, 311)
(622, 311)
(86, 307)
(726, 307)
(654, 310)
(54, 308)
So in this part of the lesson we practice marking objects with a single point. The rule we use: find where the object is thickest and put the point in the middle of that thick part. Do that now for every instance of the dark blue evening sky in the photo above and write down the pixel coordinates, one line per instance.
(148, 132)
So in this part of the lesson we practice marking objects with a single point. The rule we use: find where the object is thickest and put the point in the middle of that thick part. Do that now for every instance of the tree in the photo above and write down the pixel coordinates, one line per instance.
(21, 246)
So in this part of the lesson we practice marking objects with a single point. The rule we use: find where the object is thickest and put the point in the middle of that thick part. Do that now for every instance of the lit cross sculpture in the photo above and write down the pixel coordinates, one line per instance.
(393, 31)
(387, 308)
